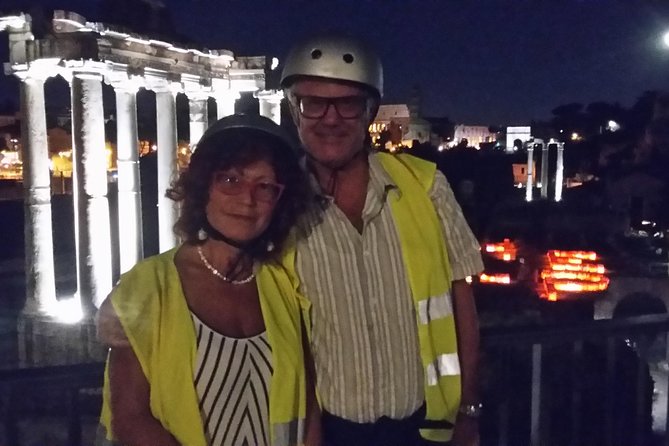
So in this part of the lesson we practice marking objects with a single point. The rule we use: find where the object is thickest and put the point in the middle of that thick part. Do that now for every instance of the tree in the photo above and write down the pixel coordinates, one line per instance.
(568, 118)
(600, 113)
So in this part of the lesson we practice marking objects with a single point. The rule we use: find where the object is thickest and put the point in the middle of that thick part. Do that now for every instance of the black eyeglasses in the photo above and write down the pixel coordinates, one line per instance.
(231, 184)
(347, 107)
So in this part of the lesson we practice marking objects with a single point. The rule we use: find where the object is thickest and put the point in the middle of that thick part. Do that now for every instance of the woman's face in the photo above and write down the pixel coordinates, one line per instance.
(242, 200)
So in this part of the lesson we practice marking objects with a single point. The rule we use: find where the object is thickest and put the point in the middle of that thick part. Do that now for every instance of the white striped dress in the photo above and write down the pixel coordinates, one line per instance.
(232, 378)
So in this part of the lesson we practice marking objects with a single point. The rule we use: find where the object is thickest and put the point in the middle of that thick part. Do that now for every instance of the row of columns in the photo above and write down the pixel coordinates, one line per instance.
(559, 169)
(91, 208)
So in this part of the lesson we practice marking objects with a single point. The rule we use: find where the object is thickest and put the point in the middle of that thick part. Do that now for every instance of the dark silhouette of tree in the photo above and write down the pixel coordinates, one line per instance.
(642, 112)
(442, 127)
(568, 118)
(600, 113)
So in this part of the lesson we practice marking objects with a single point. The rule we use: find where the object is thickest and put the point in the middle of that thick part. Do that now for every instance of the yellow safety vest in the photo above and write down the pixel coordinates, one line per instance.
(426, 262)
(150, 304)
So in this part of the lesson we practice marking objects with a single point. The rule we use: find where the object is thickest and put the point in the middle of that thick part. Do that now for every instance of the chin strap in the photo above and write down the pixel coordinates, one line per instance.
(331, 187)
(243, 260)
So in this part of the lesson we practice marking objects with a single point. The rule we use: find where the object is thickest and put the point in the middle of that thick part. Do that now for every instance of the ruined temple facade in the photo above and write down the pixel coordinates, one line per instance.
(87, 55)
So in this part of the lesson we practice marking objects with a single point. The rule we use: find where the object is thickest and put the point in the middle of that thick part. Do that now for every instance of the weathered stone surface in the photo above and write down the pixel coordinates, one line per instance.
(42, 341)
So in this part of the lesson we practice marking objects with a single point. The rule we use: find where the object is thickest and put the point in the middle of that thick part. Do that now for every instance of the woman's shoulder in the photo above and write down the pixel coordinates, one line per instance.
(144, 283)
(147, 273)
(157, 262)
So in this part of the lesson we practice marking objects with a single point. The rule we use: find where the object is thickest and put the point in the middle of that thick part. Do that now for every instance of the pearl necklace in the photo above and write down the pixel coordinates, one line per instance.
(224, 278)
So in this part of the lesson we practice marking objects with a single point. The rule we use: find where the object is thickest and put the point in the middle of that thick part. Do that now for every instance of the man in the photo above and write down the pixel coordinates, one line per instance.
(393, 322)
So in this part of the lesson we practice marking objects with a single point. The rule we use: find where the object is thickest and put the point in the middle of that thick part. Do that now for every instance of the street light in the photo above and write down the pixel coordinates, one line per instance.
(665, 39)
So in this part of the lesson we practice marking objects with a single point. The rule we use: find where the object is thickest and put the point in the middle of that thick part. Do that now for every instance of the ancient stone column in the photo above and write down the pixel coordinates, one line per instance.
(131, 244)
(225, 102)
(39, 267)
(166, 123)
(197, 106)
(530, 171)
(559, 173)
(91, 208)
(544, 170)
(270, 104)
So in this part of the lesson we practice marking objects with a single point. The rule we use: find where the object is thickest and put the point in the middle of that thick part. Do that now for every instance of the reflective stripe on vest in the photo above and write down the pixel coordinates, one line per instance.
(447, 364)
(435, 308)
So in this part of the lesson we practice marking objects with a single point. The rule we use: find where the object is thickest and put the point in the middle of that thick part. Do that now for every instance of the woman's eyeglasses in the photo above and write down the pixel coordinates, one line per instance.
(347, 107)
(231, 184)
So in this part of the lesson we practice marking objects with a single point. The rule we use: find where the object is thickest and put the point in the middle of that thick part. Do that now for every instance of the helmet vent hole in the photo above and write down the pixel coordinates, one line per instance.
(348, 58)
(316, 54)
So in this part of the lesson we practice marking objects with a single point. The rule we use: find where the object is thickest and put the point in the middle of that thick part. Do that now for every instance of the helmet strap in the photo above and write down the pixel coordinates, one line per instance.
(331, 186)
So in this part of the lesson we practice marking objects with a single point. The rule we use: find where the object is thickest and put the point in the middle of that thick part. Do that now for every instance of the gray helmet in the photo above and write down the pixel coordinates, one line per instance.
(334, 56)
(250, 123)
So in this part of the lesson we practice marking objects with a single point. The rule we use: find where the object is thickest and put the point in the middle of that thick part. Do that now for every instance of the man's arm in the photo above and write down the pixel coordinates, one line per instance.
(467, 330)
(465, 259)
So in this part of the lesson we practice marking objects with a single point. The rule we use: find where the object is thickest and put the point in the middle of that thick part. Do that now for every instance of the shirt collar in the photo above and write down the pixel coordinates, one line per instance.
(380, 183)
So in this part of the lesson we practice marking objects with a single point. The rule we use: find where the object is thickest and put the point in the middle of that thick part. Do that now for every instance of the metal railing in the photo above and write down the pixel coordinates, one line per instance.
(583, 383)
(64, 383)
(538, 389)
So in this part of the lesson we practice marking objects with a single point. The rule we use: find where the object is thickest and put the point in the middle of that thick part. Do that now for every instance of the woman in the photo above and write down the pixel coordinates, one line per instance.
(206, 339)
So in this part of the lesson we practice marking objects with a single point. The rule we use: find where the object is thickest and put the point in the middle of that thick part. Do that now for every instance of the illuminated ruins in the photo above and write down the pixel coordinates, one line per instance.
(86, 55)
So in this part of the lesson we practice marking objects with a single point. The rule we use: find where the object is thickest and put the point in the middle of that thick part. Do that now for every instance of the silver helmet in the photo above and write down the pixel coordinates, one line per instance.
(334, 56)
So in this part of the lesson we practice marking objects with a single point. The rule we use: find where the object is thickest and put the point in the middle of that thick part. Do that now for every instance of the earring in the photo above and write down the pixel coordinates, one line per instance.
(270, 247)
(202, 235)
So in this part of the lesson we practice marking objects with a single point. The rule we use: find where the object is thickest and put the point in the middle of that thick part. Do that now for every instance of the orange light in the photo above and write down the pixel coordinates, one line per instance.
(501, 279)
(583, 255)
(587, 267)
(577, 287)
(567, 272)
(505, 250)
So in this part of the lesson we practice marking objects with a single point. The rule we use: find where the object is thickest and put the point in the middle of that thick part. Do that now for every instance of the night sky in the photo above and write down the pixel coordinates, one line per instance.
(474, 61)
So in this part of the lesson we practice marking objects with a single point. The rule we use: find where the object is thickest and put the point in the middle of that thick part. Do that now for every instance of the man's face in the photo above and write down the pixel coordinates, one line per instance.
(331, 119)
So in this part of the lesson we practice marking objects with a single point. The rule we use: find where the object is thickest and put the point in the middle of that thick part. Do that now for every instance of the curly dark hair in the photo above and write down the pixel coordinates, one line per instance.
(240, 147)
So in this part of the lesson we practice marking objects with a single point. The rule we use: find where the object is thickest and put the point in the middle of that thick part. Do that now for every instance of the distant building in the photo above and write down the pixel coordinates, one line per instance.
(520, 172)
(10, 132)
(402, 122)
(11, 167)
(513, 134)
(474, 134)
(403, 128)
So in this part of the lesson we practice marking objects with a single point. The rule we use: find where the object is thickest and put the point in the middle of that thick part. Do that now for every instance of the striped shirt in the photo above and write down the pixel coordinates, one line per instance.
(232, 377)
(364, 335)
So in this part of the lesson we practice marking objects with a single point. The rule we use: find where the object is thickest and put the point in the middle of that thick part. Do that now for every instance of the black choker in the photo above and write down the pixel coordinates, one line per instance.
(216, 235)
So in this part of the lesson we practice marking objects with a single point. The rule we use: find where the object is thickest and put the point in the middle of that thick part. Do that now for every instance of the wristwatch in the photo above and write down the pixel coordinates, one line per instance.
(471, 410)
